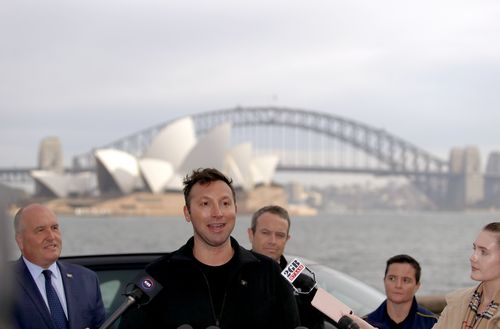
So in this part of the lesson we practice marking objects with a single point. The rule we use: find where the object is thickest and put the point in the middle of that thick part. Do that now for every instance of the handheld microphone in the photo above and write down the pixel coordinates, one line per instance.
(145, 289)
(321, 299)
(346, 322)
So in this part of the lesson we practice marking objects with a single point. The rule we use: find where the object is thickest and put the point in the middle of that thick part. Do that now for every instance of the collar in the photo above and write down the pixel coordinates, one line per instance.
(36, 270)
(381, 313)
(185, 253)
(409, 317)
(283, 262)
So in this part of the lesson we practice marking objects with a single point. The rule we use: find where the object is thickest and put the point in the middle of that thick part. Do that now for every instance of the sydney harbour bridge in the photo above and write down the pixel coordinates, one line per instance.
(310, 141)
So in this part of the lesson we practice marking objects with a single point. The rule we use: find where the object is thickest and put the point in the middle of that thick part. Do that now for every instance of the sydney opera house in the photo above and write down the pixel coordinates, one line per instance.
(174, 152)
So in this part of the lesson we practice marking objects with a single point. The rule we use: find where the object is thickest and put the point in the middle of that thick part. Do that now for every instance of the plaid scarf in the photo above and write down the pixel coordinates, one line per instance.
(473, 319)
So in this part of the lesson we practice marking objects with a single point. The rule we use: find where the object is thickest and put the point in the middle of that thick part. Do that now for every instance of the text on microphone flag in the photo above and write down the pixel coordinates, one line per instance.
(293, 270)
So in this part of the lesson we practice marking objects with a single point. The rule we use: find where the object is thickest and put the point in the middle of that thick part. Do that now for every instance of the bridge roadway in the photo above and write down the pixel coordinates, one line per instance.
(23, 174)
(307, 141)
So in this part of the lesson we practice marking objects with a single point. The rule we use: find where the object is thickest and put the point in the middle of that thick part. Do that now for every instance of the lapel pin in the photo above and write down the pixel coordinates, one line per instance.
(69, 275)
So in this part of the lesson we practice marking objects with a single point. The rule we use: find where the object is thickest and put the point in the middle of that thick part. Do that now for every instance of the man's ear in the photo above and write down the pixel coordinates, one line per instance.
(19, 241)
(187, 215)
(250, 234)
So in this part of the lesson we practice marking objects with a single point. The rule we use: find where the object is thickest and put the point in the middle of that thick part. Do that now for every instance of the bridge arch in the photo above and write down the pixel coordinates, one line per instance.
(398, 156)
(395, 155)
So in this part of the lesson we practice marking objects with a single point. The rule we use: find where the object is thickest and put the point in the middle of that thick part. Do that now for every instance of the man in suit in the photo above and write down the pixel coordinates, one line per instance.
(49, 294)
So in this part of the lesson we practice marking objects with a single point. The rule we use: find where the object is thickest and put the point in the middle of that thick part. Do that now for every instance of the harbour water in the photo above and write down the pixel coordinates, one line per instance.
(358, 244)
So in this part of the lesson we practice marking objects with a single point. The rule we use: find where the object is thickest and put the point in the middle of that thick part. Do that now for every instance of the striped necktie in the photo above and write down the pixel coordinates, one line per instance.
(56, 310)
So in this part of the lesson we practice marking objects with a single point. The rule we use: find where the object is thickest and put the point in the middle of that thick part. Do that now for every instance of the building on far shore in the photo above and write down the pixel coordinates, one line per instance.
(151, 184)
(164, 204)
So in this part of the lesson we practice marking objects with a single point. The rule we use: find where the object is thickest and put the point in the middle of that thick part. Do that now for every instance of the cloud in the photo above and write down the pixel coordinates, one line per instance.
(94, 71)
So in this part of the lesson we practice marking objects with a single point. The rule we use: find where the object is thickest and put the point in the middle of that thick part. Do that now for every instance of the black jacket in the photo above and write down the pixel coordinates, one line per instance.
(256, 295)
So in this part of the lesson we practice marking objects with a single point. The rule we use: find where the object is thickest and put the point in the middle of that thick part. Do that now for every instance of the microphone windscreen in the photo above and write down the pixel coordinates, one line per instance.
(184, 326)
(148, 285)
(346, 322)
(213, 327)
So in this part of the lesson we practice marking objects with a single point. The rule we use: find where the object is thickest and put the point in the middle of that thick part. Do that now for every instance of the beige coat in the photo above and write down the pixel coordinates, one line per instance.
(456, 307)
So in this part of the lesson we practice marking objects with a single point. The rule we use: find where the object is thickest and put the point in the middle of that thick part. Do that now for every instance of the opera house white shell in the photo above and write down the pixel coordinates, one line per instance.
(237, 165)
(210, 151)
(263, 168)
(174, 152)
(51, 183)
(117, 171)
(156, 174)
(173, 143)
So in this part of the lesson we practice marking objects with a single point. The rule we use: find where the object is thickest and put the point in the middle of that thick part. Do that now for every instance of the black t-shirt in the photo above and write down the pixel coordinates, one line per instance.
(218, 279)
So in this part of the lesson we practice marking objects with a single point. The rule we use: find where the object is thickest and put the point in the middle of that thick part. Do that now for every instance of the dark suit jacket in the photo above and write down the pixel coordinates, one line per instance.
(83, 298)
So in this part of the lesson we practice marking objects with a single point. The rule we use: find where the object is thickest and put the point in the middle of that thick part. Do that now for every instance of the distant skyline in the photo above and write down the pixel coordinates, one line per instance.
(91, 72)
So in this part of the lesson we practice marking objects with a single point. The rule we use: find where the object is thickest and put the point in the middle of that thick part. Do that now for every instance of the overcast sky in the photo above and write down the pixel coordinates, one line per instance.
(91, 72)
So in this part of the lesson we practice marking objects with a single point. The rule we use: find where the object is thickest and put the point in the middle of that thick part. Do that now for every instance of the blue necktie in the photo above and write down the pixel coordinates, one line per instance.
(56, 310)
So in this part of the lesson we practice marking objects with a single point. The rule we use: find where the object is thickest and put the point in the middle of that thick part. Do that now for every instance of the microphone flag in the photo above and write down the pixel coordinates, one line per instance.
(293, 270)
(321, 299)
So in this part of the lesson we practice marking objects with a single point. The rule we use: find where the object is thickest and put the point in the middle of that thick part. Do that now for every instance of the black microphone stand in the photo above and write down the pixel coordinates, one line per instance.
(131, 299)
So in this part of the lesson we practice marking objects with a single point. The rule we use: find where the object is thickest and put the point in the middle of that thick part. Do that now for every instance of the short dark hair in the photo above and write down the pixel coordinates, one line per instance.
(204, 176)
(273, 209)
(493, 227)
(405, 259)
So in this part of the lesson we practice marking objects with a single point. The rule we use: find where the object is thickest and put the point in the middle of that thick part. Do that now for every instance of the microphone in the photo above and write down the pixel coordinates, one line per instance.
(320, 298)
(145, 289)
(346, 322)
(187, 326)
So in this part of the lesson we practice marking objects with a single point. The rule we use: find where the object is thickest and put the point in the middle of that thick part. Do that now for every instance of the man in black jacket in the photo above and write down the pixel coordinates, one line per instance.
(269, 232)
(211, 280)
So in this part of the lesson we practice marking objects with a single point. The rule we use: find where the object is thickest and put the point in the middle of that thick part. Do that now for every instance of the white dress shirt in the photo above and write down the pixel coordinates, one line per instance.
(57, 283)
